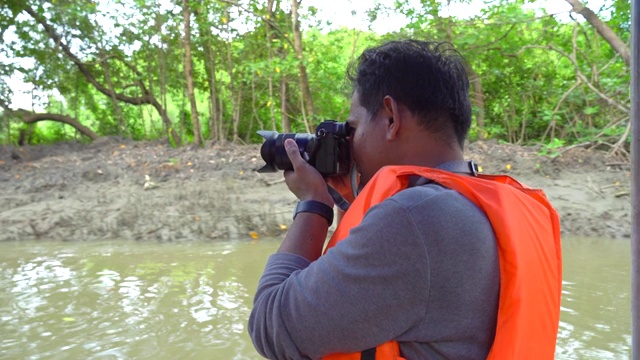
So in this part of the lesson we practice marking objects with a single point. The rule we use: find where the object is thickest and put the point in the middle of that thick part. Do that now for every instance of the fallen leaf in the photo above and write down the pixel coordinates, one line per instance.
(68, 319)
(253, 234)
(283, 227)
(508, 166)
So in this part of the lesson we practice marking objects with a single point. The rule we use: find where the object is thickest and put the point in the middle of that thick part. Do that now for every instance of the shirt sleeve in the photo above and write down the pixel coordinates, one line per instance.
(370, 288)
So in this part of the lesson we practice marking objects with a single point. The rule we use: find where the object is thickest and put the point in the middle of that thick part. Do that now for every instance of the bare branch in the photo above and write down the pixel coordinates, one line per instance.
(268, 21)
(579, 74)
(495, 41)
(605, 31)
(552, 123)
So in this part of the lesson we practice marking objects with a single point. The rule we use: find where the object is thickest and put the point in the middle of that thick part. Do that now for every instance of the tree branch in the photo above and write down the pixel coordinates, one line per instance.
(145, 99)
(605, 31)
(31, 118)
(495, 41)
(268, 21)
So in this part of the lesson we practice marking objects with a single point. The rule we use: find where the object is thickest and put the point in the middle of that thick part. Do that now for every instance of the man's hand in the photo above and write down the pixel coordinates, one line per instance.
(308, 231)
(304, 180)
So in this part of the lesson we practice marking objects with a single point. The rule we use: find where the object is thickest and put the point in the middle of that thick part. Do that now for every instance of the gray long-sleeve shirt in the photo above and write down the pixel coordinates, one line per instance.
(421, 268)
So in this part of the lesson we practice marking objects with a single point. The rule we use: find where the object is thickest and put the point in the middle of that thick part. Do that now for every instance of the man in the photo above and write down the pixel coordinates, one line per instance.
(431, 261)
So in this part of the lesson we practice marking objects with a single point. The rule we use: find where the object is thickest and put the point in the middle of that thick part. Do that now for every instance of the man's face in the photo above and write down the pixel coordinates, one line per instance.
(367, 139)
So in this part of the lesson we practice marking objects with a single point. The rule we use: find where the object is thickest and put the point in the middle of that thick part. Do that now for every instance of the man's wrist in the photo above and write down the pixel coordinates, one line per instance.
(314, 207)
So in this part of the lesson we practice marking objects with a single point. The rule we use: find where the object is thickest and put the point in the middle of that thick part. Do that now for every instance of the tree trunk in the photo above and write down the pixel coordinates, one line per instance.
(284, 114)
(269, 35)
(215, 115)
(210, 68)
(303, 78)
(114, 101)
(188, 70)
(236, 117)
(478, 101)
(162, 64)
(232, 89)
(605, 31)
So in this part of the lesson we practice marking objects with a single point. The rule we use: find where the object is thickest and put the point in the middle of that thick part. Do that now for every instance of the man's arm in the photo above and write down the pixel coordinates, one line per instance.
(353, 298)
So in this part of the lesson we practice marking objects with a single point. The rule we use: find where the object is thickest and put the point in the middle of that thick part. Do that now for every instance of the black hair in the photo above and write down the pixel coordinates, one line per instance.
(429, 78)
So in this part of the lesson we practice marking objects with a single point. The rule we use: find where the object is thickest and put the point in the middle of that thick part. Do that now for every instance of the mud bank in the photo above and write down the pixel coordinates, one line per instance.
(86, 192)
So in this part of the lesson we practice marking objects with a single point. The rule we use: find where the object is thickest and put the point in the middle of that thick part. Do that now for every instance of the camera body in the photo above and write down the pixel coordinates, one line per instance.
(327, 150)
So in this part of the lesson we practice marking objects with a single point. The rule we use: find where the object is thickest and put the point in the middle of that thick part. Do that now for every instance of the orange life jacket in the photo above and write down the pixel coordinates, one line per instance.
(527, 229)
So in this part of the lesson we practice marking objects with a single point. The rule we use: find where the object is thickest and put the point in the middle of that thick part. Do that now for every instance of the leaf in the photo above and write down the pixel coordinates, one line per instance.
(253, 234)
(68, 319)
(591, 110)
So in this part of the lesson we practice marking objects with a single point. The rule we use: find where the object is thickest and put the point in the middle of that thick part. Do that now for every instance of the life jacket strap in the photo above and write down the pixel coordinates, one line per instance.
(460, 167)
(369, 354)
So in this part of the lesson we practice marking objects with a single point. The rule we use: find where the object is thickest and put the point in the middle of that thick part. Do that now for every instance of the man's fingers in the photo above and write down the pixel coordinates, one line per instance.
(293, 153)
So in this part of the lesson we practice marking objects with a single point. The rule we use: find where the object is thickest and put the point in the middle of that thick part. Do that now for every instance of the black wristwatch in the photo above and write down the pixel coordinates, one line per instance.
(315, 207)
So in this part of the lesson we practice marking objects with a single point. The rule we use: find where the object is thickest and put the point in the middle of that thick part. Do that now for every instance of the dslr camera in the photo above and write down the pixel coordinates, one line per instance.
(327, 150)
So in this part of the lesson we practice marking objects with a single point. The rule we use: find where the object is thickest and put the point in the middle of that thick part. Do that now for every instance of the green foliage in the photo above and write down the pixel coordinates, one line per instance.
(552, 148)
(527, 65)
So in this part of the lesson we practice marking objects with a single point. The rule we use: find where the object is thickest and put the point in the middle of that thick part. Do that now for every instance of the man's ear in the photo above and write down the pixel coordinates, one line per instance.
(393, 120)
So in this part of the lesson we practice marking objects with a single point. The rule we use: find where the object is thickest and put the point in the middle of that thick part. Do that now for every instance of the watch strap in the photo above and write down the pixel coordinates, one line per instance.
(315, 207)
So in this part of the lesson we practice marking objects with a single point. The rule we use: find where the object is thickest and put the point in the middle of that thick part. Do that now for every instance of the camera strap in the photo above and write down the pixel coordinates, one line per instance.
(340, 201)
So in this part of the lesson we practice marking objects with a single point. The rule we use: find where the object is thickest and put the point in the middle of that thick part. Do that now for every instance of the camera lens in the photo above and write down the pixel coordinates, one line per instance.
(274, 154)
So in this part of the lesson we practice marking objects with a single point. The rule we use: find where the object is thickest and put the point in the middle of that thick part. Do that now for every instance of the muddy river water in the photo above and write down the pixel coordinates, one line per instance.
(126, 300)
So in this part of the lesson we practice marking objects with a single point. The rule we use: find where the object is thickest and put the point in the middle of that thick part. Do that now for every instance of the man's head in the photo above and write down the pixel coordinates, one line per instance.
(429, 79)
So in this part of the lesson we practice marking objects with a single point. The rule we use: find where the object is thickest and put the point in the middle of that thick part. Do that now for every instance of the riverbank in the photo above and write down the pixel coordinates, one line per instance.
(86, 192)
